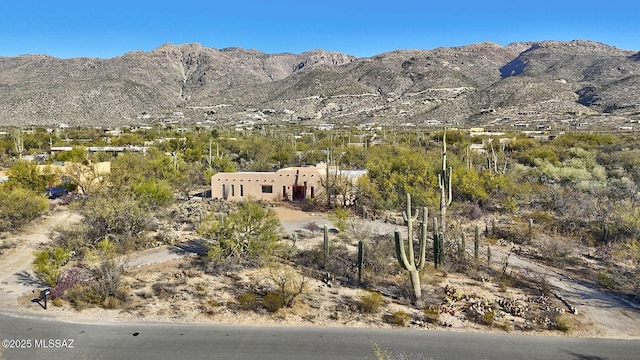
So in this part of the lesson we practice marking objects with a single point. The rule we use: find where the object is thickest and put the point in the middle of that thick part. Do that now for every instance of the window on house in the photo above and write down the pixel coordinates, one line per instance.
(241, 190)
(267, 189)
(233, 190)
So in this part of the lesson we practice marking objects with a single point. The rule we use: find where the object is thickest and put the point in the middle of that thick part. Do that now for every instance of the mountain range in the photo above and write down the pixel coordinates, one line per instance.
(529, 84)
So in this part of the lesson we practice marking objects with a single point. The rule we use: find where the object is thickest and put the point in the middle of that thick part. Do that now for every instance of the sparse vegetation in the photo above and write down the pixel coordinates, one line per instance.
(400, 318)
(578, 190)
(371, 302)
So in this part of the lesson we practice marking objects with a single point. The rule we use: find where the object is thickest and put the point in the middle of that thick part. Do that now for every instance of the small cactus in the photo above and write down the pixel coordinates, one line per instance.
(325, 245)
(360, 261)
(476, 243)
(463, 247)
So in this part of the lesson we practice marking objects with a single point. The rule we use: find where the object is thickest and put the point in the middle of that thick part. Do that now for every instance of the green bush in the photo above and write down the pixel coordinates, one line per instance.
(57, 302)
(49, 262)
(604, 279)
(249, 234)
(432, 315)
(273, 301)
(371, 302)
(248, 301)
(400, 318)
(562, 324)
(19, 206)
(488, 317)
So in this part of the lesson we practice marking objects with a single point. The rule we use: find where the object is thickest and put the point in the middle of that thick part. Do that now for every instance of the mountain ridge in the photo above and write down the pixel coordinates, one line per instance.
(485, 84)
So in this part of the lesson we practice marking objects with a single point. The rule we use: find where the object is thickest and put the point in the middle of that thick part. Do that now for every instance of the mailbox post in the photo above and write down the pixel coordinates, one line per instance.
(43, 294)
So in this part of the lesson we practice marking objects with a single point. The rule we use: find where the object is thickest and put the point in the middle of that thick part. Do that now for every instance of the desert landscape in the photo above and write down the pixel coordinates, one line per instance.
(166, 284)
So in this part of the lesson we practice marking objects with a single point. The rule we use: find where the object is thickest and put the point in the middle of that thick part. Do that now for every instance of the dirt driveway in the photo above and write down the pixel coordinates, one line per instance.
(16, 277)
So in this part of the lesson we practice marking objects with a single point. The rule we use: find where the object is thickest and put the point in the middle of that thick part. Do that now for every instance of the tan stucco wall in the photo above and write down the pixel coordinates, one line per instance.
(249, 185)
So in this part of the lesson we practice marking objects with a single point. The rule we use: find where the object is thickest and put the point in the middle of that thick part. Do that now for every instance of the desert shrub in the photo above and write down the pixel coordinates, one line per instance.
(604, 279)
(145, 294)
(191, 212)
(111, 302)
(68, 279)
(209, 307)
(288, 283)
(120, 217)
(562, 323)
(249, 234)
(488, 317)
(432, 314)
(200, 290)
(472, 211)
(554, 251)
(19, 206)
(164, 290)
(108, 279)
(155, 193)
(273, 301)
(49, 262)
(6, 245)
(57, 302)
(339, 217)
(248, 300)
(340, 261)
(371, 302)
(379, 257)
(72, 237)
(400, 318)
(83, 296)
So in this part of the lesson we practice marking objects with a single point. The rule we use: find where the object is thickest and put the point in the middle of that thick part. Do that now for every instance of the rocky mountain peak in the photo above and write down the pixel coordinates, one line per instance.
(549, 81)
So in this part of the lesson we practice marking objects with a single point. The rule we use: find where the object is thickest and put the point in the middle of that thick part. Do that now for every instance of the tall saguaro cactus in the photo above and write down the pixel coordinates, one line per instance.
(437, 244)
(325, 245)
(408, 262)
(444, 181)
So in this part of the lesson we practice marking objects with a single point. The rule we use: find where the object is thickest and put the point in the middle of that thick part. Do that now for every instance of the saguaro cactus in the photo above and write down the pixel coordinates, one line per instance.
(325, 245)
(444, 182)
(409, 262)
(463, 248)
(476, 244)
(437, 244)
(360, 261)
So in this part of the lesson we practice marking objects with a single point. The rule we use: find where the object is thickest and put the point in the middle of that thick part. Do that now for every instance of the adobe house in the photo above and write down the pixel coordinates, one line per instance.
(292, 183)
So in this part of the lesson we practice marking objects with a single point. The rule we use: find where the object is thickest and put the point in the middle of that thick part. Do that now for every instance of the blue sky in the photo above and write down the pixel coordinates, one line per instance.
(363, 28)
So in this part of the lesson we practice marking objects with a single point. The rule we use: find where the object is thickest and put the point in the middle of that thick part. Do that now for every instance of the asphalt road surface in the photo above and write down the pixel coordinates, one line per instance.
(41, 338)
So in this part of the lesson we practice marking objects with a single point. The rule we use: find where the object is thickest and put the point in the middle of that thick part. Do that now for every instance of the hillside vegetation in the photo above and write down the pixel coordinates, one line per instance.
(569, 202)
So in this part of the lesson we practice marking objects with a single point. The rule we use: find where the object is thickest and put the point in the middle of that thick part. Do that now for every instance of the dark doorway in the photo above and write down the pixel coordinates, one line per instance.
(298, 193)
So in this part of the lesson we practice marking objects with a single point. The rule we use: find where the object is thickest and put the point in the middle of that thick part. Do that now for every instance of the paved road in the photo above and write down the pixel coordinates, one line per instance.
(182, 341)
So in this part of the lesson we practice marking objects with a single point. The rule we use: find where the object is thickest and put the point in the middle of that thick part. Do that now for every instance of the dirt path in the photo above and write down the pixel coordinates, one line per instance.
(16, 277)
(611, 317)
